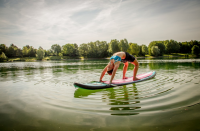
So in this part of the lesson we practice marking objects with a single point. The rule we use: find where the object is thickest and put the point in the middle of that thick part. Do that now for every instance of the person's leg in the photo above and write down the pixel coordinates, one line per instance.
(124, 70)
(136, 64)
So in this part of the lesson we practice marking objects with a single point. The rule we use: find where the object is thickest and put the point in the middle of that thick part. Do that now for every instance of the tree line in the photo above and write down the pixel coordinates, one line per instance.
(102, 49)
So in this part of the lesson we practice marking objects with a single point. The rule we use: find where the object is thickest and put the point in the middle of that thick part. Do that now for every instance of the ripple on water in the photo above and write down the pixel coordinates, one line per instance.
(53, 88)
(167, 91)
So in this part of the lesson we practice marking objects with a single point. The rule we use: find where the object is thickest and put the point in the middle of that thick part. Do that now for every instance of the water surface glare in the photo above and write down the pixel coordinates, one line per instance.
(41, 96)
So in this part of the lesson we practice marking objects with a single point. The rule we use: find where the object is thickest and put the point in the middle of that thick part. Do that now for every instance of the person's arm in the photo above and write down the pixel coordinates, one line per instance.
(103, 73)
(124, 70)
(114, 71)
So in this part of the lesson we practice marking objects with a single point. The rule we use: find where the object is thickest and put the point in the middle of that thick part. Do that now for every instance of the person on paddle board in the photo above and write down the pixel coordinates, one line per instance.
(114, 63)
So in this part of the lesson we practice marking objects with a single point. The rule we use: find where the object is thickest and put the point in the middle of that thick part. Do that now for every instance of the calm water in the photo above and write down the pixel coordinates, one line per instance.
(38, 96)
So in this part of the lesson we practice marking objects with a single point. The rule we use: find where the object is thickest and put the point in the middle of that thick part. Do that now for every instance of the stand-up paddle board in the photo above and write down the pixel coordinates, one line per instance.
(119, 82)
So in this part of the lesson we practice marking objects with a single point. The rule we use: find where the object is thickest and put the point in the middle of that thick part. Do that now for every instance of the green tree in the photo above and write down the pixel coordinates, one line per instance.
(123, 45)
(97, 49)
(3, 57)
(83, 50)
(194, 42)
(160, 45)
(48, 52)
(175, 46)
(25, 51)
(102, 49)
(19, 53)
(133, 49)
(40, 53)
(28, 51)
(68, 49)
(60, 54)
(155, 51)
(3, 48)
(195, 50)
(13, 51)
(75, 53)
(171, 46)
(168, 47)
(56, 49)
(144, 50)
(113, 46)
(185, 47)
(92, 50)
(31, 51)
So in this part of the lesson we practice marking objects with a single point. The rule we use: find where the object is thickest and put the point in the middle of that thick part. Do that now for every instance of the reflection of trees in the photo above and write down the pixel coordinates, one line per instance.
(3, 73)
(79, 93)
(143, 65)
(122, 100)
(171, 65)
(195, 64)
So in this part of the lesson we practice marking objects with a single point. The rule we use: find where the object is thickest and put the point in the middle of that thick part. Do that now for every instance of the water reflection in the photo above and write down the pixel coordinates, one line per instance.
(164, 92)
(122, 101)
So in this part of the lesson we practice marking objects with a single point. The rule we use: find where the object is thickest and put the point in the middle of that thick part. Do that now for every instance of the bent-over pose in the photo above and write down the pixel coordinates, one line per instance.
(114, 63)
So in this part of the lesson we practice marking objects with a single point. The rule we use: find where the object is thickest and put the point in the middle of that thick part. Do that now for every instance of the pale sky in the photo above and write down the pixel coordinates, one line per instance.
(47, 22)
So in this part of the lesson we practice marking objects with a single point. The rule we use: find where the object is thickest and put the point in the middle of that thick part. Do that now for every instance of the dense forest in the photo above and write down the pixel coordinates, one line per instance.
(101, 49)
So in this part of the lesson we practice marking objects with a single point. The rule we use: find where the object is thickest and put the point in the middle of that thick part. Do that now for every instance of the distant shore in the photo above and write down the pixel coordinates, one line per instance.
(29, 59)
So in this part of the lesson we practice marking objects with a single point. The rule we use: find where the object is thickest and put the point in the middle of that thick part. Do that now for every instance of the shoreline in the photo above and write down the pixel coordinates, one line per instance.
(51, 58)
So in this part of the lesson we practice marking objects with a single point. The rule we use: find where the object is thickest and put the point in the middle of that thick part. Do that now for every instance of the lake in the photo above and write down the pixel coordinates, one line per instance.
(38, 96)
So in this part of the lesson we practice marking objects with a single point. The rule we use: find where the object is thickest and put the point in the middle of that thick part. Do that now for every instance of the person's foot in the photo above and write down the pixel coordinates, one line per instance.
(125, 77)
(135, 79)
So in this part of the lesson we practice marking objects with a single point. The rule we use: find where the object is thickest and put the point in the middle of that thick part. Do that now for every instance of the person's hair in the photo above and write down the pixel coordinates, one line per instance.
(110, 72)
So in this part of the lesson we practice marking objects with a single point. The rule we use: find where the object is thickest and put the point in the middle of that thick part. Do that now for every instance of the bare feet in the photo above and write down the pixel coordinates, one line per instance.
(135, 79)
(125, 77)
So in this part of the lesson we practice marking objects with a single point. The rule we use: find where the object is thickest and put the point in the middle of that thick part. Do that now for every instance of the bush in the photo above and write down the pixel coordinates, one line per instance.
(155, 51)
(40, 54)
(195, 50)
(144, 50)
(3, 57)
(60, 54)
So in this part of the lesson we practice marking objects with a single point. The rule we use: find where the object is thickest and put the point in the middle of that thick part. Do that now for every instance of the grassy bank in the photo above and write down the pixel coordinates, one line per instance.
(181, 55)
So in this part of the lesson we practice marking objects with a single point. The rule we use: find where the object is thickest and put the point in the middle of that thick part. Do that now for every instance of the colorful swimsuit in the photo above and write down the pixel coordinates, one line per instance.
(116, 58)
(128, 58)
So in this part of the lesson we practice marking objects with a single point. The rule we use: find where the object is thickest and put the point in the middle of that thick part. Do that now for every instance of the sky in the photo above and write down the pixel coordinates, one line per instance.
(47, 22)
